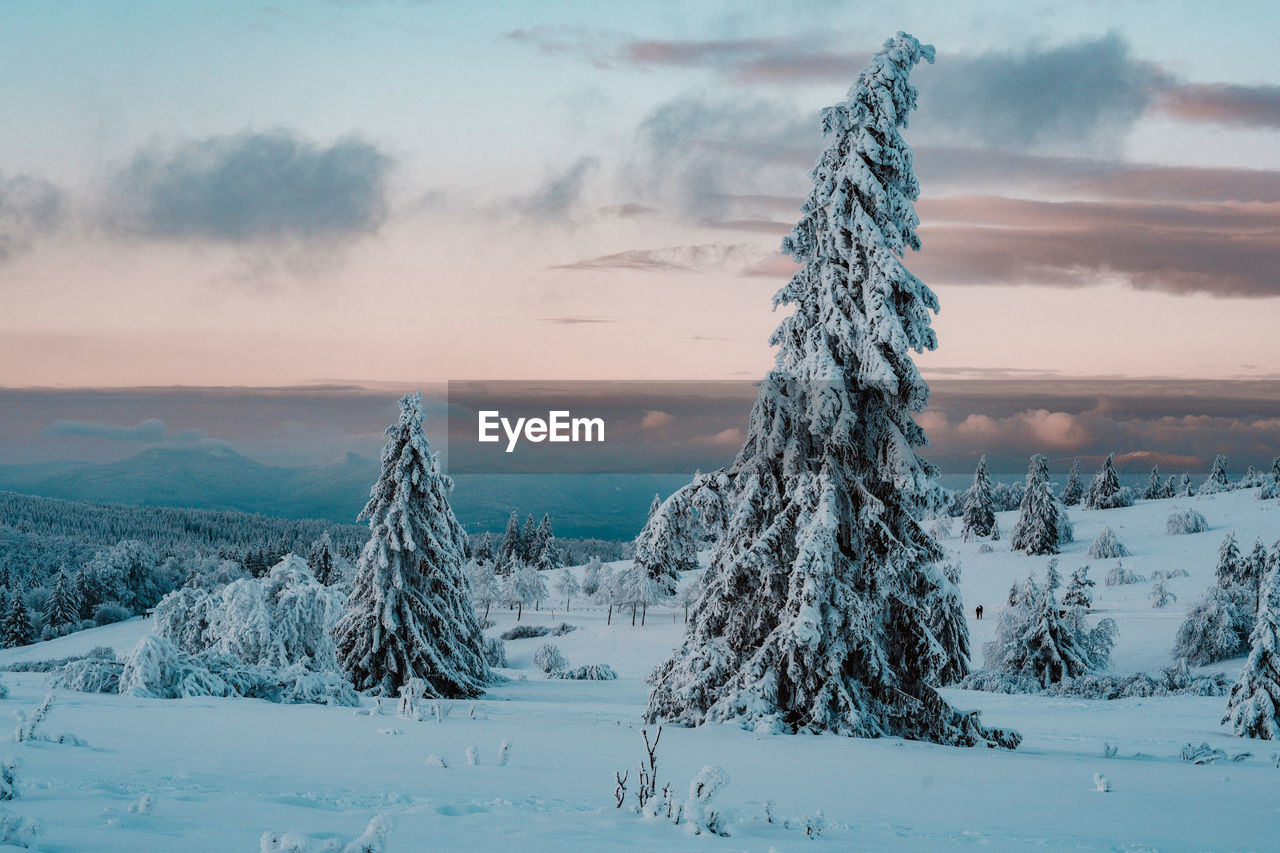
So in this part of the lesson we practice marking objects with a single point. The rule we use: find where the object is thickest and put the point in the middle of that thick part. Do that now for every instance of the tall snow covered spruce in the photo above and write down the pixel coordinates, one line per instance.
(409, 614)
(815, 613)
(1042, 522)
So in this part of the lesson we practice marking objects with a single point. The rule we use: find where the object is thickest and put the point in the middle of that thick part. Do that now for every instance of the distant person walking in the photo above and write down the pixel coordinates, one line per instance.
(978, 612)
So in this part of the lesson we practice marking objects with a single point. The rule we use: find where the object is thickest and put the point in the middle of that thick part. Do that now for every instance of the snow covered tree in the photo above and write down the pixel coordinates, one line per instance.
(1154, 489)
(1254, 706)
(1210, 633)
(567, 586)
(1038, 639)
(1217, 480)
(410, 614)
(1160, 596)
(1253, 568)
(62, 611)
(638, 589)
(1073, 491)
(665, 547)
(1105, 491)
(528, 539)
(814, 612)
(591, 577)
(1080, 590)
(524, 585)
(321, 560)
(512, 548)
(1229, 570)
(542, 554)
(978, 518)
(947, 619)
(1042, 522)
(15, 629)
(1271, 481)
(485, 587)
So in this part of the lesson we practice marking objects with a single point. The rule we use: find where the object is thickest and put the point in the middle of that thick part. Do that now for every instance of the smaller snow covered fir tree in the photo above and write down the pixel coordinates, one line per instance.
(62, 611)
(1042, 522)
(1254, 707)
(512, 548)
(1210, 632)
(1080, 590)
(1154, 490)
(1217, 481)
(1105, 491)
(15, 628)
(410, 611)
(978, 517)
(1073, 491)
(322, 560)
(1229, 571)
(665, 547)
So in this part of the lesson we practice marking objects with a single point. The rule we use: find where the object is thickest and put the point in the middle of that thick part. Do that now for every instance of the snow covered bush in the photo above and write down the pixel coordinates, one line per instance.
(9, 787)
(1160, 596)
(562, 629)
(548, 658)
(526, 632)
(700, 814)
(90, 675)
(18, 831)
(1105, 491)
(589, 672)
(1173, 681)
(1210, 631)
(1106, 546)
(109, 613)
(1186, 520)
(495, 652)
(1120, 576)
(282, 618)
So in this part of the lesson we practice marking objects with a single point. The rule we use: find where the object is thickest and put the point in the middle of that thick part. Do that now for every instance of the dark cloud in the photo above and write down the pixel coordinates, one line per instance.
(252, 187)
(29, 208)
(1219, 250)
(1222, 103)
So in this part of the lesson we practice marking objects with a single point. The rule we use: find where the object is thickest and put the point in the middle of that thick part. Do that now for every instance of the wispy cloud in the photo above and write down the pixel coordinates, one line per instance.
(29, 208)
(1222, 103)
(148, 431)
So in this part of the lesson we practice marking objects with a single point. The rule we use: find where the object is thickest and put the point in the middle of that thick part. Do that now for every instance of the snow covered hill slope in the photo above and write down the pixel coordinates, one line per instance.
(223, 772)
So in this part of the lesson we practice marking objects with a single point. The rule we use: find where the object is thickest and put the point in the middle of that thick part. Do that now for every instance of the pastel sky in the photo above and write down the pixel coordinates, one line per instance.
(228, 193)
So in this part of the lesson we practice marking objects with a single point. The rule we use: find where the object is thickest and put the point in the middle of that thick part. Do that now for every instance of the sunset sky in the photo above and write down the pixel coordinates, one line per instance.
(247, 194)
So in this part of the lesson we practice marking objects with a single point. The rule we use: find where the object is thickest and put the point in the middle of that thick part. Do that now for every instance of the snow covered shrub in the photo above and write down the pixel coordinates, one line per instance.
(9, 788)
(589, 672)
(434, 760)
(1160, 596)
(19, 831)
(1102, 783)
(374, 837)
(303, 686)
(144, 805)
(700, 813)
(90, 675)
(548, 658)
(1120, 576)
(152, 669)
(1186, 520)
(562, 629)
(985, 548)
(1210, 631)
(109, 613)
(1176, 573)
(1106, 546)
(504, 753)
(473, 756)
(525, 632)
(495, 652)
(1173, 681)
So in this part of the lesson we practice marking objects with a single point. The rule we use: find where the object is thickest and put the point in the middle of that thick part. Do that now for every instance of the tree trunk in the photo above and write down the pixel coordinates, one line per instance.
(520, 612)
(486, 611)
(643, 613)
(609, 621)
(633, 616)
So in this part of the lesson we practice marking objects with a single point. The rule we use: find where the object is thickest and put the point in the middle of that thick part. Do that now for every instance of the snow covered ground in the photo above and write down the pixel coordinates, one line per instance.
(224, 771)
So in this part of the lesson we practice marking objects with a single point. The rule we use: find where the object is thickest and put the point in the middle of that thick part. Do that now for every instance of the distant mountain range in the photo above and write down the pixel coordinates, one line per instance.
(599, 505)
